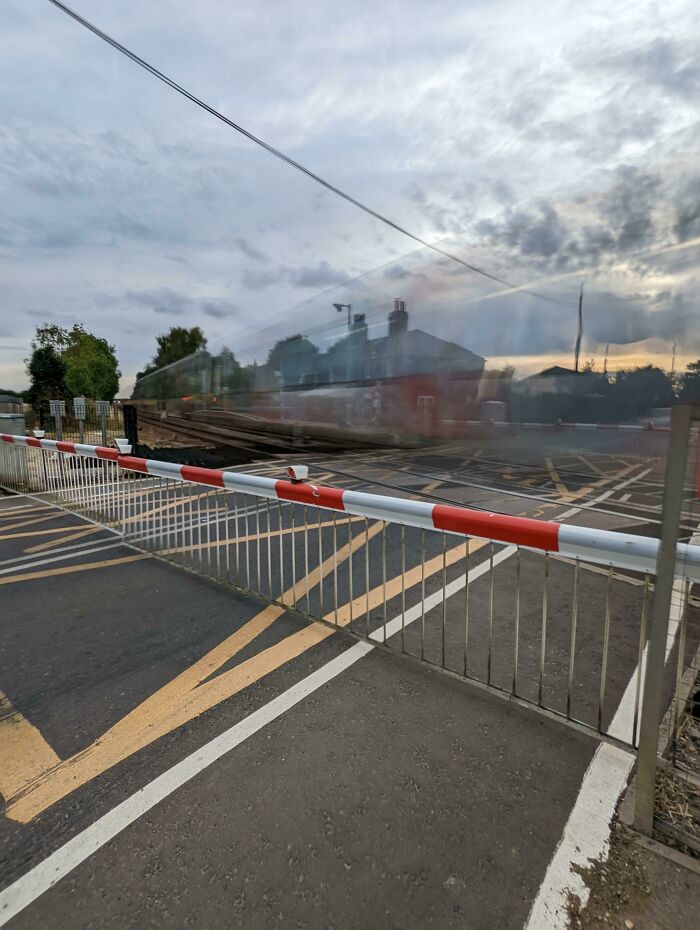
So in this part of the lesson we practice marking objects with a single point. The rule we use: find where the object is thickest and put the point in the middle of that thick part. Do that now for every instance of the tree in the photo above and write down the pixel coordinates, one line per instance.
(91, 366)
(227, 374)
(176, 344)
(689, 388)
(642, 388)
(71, 362)
(47, 375)
(294, 357)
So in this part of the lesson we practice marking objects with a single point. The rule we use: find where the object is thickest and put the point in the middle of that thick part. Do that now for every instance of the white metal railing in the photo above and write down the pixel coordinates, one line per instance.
(535, 610)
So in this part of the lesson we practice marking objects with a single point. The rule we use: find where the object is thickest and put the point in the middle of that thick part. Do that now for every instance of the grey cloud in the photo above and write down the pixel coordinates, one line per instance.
(255, 280)
(627, 219)
(668, 63)
(495, 329)
(311, 276)
(160, 300)
(398, 272)
(40, 314)
(687, 220)
(58, 237)
(130, 228)
(320, 275)
(628, 207)
(220, 310)
(168, 302)
(539, 233)
(249, 250)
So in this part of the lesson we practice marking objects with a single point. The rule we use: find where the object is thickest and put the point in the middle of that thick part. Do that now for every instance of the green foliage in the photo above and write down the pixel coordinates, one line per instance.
(227, 374)
(643, 388)
(47, 375)
(91, 366)
(51, 336)
(294, 357)
(72, 362)
(595, 398)
(689, 382)
(198, 374)
(176, 344)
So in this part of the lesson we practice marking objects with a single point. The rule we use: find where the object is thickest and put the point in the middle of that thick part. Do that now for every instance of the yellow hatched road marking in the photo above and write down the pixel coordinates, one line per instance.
(590, 464)
(53, 516)
(25, 752)
(594, 485)
(554, 475)
(214, 544)
(190, 694)
(71, 537)
(69, 569)
(55, 529)
(134, 518)
(7, 513)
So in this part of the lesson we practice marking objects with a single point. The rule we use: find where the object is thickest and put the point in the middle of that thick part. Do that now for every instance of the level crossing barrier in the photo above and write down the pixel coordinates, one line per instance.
(541, 612)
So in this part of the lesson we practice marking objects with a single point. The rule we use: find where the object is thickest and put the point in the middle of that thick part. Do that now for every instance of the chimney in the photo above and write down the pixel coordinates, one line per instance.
(398, 318)
(359, 326)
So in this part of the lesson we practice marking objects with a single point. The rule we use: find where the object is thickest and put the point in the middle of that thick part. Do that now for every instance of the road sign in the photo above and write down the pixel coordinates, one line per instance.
(79, 408)
(57, 408)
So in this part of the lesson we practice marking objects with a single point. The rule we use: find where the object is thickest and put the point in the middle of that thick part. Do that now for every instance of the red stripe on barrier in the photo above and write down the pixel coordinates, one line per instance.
(6, 437)
(34, 443)
(132, 463)
(519, 531)
(202, 475)
(66, 447)
(102, 452)
(310, 494)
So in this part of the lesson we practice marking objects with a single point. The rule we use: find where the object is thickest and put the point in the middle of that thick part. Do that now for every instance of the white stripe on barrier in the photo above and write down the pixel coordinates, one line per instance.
(392, 509)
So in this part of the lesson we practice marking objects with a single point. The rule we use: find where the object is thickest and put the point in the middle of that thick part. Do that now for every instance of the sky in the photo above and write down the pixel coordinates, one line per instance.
(550, 144)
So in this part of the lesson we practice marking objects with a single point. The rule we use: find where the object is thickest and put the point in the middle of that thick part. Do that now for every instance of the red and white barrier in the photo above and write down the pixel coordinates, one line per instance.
(621, 550)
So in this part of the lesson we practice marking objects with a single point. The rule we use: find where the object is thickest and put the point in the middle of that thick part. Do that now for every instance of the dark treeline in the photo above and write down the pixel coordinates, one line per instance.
(593, 397)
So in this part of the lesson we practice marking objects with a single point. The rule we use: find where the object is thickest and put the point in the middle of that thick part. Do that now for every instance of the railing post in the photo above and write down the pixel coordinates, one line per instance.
(102, 407)
(58, 411)
(131, 430)
(663, 589)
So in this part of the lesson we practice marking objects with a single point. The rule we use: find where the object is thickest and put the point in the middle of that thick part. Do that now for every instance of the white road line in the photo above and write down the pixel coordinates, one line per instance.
(587, 831)
(625, 497)
(47, 873)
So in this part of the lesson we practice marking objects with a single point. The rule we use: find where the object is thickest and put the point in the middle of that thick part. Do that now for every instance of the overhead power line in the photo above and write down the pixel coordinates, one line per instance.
(286, 158)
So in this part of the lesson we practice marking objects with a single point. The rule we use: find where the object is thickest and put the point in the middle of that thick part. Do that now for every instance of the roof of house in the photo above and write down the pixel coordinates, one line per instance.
(417, 343)
(556, 371)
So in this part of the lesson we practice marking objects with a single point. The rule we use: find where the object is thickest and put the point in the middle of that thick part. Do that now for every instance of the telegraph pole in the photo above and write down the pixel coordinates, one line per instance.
(579, 334)
(340, 308)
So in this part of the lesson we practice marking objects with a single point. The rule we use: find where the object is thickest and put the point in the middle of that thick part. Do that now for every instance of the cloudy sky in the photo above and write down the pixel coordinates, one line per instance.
(548, 143)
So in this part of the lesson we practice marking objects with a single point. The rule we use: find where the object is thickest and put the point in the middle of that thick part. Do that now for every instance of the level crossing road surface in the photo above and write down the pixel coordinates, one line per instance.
(260, 770)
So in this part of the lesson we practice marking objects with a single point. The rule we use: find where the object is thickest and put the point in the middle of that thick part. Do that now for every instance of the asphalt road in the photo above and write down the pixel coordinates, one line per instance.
(387, 794)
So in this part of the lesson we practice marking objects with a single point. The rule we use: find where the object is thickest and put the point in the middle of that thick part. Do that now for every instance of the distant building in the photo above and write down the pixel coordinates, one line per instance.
(554, 380)
(402, 353)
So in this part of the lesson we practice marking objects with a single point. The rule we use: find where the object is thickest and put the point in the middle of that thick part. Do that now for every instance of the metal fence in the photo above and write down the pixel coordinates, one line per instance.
(542, 613)
(95, 422)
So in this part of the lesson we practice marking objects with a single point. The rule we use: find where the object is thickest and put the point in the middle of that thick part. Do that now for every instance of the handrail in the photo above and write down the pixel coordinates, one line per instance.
(604, 547)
